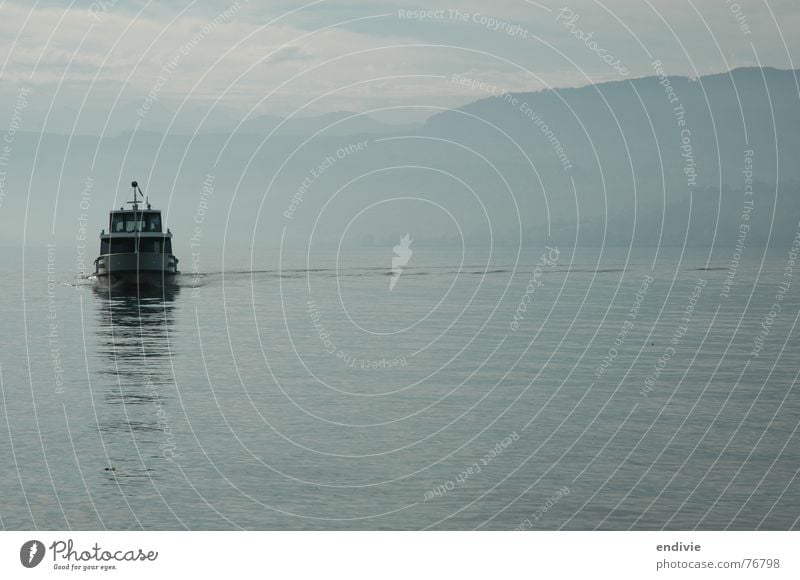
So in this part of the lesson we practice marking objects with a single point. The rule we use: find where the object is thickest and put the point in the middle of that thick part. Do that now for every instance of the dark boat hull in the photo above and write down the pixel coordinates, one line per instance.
(118, 271)
(123, 280)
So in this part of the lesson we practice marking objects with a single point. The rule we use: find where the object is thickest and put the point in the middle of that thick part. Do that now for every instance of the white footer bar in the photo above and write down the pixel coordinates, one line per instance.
(401, 555)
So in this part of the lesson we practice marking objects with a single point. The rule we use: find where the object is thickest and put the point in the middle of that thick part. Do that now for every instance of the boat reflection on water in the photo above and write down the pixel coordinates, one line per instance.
(136, 405)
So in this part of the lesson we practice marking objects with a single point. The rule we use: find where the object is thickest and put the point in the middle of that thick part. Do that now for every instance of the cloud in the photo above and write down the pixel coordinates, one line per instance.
(239, 52)
(290, 53)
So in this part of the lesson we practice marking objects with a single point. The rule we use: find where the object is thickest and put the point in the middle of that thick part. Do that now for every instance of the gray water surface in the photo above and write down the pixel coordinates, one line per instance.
(299, 394)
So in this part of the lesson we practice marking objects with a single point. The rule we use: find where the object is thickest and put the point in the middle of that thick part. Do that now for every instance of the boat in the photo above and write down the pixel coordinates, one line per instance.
(136, 252)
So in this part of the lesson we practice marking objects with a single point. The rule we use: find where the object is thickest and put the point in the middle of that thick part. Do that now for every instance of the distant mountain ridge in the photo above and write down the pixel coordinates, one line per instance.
(725, 113)
(597, 164)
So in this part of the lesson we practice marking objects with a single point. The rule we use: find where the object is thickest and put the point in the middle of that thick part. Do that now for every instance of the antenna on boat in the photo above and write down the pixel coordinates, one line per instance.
(135, 202)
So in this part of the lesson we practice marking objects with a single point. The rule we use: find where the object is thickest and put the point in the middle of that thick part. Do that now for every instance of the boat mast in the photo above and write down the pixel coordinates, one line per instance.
(135, 201)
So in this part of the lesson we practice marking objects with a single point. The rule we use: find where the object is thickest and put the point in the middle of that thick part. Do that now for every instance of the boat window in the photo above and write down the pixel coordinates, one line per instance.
(135, 223)
(152, 245)
(153, 222)
(117, 222)
(138, 222)
(122, 246)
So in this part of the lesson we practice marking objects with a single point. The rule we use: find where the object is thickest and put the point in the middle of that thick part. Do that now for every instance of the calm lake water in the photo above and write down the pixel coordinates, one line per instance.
(632, 390)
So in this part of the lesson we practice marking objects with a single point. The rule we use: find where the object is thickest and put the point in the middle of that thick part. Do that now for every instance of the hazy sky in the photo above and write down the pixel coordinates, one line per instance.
(282, 57)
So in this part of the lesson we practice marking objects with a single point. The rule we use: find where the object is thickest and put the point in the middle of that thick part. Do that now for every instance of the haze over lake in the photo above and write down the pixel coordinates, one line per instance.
(518, 266)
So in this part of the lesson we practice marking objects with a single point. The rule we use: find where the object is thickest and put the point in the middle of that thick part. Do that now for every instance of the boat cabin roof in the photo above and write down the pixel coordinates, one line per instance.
(138, 210)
